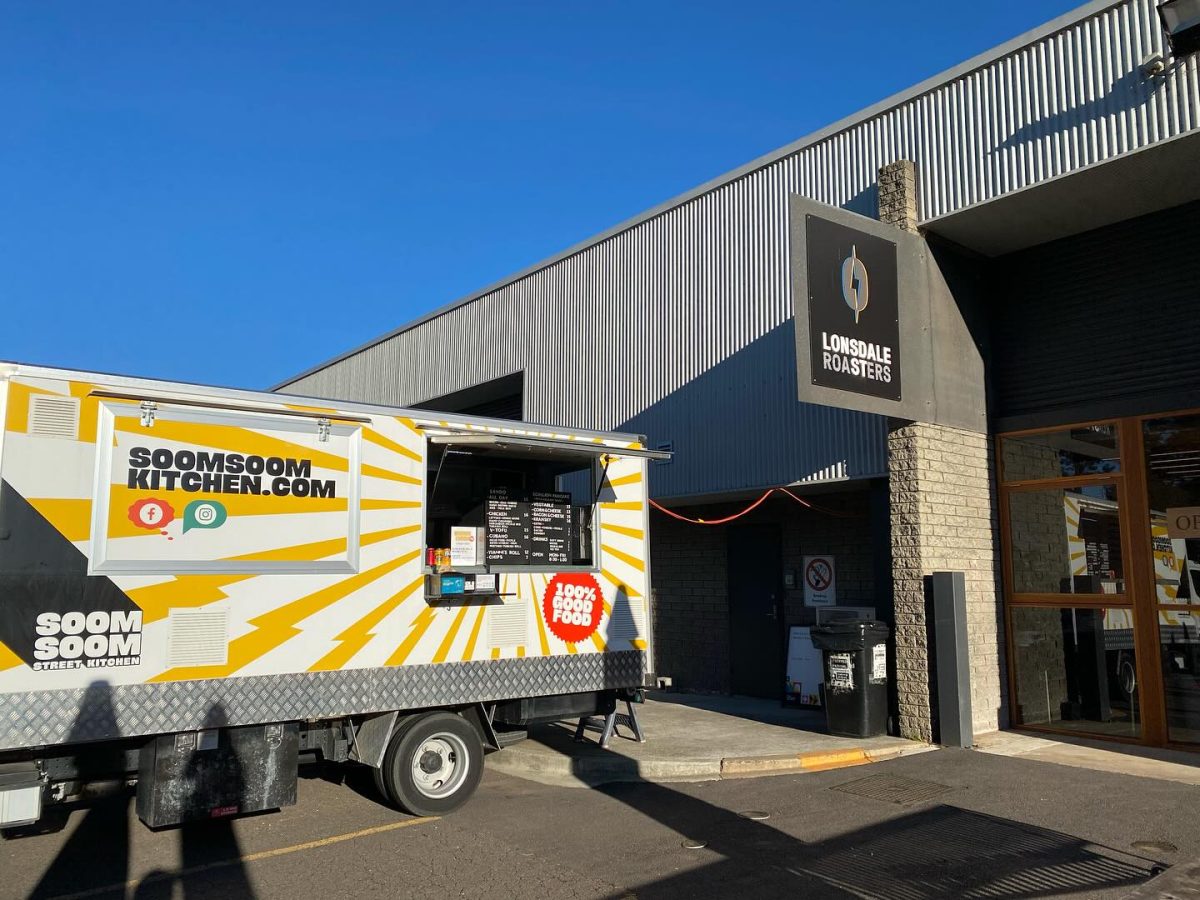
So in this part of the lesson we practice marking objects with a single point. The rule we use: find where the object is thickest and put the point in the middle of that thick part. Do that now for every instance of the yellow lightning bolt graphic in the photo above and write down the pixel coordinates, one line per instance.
(538, 616)
(8, 659)
(278, 625)
(419, 626)
(157, 600)
(182, 591)
(388, 444)
(360, 633)
(469, 653)
(444, 650)
(632, 561)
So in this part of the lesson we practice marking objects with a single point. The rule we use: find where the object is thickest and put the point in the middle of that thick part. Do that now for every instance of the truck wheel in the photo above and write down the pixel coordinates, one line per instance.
(433, 764)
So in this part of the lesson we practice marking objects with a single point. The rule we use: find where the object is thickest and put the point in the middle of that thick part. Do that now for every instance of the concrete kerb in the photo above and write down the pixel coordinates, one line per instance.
(590, 771)
(1180, 882)
(696, 738)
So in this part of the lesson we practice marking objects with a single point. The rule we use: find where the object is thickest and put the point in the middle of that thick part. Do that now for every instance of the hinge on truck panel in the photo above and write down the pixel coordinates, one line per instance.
(149, 408)
(323, 427)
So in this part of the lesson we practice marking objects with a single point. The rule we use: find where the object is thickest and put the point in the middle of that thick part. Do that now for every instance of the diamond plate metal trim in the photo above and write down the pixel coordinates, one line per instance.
(102, 711)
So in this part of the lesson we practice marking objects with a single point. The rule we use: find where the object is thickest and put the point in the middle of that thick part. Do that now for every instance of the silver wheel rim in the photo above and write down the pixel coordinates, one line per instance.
(440, 764)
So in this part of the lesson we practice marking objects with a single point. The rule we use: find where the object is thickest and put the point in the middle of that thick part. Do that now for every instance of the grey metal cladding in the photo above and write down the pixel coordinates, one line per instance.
(103, 711)
(673, 324)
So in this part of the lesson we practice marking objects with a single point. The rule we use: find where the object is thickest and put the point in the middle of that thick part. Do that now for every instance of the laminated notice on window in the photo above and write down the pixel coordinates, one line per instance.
(550, 532)
(879, 663)
(508, 531)
(840, 676)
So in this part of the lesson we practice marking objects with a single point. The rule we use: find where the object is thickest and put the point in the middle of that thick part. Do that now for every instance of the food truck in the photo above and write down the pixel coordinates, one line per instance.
(201, 586)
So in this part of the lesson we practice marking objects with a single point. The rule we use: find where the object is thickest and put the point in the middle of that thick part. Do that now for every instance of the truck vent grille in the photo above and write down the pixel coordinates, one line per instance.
(508, 625)
(199, 637)
(51, 416)
(628, 618)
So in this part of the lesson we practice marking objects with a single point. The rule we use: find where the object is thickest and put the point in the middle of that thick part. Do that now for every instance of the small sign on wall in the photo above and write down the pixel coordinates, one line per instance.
(1183, 522)
(820, 581)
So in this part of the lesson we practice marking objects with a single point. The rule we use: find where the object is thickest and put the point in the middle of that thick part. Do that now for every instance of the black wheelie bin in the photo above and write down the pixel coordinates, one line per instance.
(855, 661)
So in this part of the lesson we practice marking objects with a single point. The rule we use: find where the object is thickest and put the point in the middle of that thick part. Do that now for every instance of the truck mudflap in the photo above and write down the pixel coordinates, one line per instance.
(216, 773)
(20, 794)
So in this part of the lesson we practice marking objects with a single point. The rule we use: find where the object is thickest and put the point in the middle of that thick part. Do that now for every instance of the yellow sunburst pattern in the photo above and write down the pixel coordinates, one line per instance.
(269, 537)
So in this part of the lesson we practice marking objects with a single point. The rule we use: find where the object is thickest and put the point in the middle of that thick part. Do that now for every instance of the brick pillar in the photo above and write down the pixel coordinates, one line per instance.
(942, 519)
(898, 195)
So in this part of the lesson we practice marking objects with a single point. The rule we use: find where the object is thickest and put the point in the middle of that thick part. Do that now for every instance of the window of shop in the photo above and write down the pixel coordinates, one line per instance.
(1171, 447)
(1100, 531)
(1069, 608)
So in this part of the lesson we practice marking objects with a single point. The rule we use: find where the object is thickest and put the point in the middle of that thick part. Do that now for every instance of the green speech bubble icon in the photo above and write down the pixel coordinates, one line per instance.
(204, 514)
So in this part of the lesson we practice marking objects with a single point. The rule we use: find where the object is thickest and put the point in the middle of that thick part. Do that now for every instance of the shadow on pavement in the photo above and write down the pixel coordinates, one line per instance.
(1178, 757)
(94, 860)
(934, 852)
(754, 709)
(105, 823)
(201, 842)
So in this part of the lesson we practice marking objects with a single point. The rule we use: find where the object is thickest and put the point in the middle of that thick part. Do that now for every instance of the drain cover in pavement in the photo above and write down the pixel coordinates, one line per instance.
(893, 788)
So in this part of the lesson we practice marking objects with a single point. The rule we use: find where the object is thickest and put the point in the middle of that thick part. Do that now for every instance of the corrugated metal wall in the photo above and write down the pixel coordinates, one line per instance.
(1138, 357)
(680, 325)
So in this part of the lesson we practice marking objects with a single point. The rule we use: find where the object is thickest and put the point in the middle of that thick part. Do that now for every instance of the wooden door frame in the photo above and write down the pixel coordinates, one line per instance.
(1137, 548)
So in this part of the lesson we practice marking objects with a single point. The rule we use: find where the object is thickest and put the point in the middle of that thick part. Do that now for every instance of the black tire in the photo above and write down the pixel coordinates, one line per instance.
(432, 765)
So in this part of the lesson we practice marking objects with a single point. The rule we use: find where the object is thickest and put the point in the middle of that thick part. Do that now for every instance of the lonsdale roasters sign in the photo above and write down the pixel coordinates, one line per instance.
(853, 310)
(878, 328)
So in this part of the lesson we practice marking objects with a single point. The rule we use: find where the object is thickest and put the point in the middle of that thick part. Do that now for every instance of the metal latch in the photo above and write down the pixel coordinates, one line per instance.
(149, 408)
(323, 428)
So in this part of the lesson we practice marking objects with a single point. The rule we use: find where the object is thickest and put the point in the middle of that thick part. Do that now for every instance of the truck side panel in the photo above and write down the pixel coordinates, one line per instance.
(158, 562)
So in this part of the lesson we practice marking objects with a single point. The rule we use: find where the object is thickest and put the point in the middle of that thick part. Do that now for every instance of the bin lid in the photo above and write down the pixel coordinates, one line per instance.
(858, 628)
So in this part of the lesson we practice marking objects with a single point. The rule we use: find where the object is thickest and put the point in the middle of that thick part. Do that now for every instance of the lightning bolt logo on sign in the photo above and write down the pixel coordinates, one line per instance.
(854, 283)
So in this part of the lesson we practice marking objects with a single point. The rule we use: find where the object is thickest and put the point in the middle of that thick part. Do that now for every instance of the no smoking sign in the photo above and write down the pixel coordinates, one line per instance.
(820, 581)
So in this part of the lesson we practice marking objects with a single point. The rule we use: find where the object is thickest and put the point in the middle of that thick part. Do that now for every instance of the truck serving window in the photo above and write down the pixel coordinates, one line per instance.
(499, 505)
(497, 502)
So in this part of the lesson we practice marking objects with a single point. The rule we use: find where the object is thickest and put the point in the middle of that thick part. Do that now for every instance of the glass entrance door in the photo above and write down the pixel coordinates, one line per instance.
(1100, 533)
(1071, 615)
(1171, 447)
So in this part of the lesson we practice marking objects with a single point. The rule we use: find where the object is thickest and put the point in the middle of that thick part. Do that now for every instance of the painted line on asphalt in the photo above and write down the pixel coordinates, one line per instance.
(247, 858)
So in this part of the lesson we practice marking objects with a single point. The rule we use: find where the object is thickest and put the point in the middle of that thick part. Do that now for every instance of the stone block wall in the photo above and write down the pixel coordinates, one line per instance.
(690, 577)
(690, 606)
(943, 515)
(898, 194)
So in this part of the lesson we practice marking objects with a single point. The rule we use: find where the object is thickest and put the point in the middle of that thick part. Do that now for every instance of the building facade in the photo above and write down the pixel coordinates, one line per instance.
(1053, 184)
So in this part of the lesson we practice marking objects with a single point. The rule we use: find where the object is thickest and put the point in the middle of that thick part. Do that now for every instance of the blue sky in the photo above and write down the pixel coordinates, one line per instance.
(230, 193)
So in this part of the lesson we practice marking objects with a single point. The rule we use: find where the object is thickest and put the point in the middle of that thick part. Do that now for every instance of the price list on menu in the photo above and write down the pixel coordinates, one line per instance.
(508, 530)
(550, 529)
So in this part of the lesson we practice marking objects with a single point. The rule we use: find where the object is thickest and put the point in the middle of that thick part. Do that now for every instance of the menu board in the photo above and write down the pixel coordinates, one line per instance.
(508, 529)
(550, 532)
(526, 528)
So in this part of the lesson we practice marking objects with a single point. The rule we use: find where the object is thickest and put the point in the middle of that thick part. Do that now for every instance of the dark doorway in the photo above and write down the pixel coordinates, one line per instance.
(755, 591)
(500, 398)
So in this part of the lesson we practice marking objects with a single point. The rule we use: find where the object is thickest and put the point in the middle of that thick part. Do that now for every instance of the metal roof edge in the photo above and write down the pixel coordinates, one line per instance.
(132, 383)
(1060, 23)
